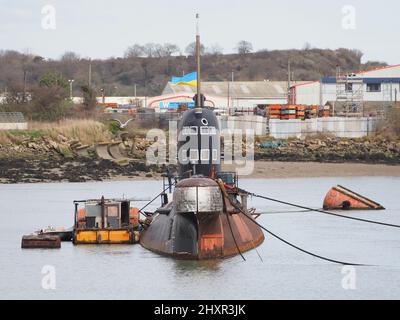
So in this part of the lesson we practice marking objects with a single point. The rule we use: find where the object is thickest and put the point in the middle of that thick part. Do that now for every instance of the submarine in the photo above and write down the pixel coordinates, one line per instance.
(203, 217)
(200, 222)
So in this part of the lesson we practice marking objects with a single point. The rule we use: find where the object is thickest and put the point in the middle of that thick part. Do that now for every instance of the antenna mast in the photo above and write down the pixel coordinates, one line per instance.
(198, 49)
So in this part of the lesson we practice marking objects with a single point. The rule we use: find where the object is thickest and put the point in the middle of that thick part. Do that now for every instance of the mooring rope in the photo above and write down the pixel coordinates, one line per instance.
(289, 243)
(234, 238)
(320, 211)
(154, 199)
(281, 212)
(300, 249)
(222, 186)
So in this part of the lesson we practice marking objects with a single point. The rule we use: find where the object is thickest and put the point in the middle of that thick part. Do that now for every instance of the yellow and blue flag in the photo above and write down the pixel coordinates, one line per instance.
(187, 80)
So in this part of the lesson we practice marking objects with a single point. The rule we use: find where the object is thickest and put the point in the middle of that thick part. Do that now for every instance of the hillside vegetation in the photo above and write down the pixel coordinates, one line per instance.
(117, 76)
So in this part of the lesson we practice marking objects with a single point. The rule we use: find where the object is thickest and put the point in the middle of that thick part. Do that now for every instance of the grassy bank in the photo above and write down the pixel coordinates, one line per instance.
(85, 131)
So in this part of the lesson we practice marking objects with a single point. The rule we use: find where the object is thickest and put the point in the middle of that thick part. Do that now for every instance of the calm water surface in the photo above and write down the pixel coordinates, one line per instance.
(131, 272)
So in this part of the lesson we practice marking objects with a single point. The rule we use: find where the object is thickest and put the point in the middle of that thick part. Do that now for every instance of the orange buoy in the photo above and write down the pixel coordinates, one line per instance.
(341, 198)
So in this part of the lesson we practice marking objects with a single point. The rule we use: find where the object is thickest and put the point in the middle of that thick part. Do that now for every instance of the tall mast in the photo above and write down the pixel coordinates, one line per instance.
(289, 84)
(198, 47)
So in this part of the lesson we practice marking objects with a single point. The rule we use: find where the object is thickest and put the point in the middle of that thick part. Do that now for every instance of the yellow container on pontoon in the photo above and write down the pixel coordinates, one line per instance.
(103, 236)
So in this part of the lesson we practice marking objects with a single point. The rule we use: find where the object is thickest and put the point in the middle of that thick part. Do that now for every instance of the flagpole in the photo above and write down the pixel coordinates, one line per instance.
(199, 100)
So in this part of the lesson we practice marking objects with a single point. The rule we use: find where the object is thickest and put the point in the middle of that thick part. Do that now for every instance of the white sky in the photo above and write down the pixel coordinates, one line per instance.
(101, 29)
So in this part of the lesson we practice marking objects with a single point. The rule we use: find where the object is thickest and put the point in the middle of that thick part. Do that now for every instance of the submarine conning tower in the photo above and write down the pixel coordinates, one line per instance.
(199, 143)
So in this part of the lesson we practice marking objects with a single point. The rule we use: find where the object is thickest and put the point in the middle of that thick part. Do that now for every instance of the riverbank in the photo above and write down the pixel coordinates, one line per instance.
(78, 169)
(55, 169)
(370, 150)
(287, 170)
(81, 151)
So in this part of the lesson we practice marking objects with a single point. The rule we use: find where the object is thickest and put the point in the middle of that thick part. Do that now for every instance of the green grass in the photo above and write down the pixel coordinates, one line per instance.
(32, 134)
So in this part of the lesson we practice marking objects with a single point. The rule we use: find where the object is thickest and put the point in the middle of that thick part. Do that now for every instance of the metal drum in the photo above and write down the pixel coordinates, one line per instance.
(198, 195)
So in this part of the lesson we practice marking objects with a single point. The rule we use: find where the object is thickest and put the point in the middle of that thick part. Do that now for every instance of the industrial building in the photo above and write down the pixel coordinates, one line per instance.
(244, 95)
(364, 92)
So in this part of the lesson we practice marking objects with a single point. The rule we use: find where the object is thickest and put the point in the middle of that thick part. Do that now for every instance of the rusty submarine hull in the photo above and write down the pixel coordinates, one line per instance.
(200, 223)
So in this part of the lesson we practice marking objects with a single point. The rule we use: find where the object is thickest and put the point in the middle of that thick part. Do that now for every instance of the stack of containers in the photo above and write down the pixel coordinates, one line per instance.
(300, 112)
(275, 111)
(325, 112)
(288, 112)
(311, 112)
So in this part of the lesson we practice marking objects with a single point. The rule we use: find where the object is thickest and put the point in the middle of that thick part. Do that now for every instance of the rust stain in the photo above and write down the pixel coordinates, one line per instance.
(244, 232)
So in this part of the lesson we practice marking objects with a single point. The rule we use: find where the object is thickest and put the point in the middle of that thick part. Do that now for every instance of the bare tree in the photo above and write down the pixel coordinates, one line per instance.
(191, 49)
(244, 47)
(151, 49)
(134, 51)
(359, 54)
(170, 49)
(70, 56)
(158, 51)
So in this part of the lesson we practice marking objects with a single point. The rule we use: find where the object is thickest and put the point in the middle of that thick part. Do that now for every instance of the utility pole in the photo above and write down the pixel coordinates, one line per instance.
(71, 81)
(25, 76)
(103, 96)
(90, 73)
(229, 89)
(229, 94)
(135, 90)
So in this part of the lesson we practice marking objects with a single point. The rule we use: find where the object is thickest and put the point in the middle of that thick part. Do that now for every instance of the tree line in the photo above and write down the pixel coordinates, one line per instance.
(156, 50)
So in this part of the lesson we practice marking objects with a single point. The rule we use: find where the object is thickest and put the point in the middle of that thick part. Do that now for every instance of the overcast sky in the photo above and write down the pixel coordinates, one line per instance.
(105, 28)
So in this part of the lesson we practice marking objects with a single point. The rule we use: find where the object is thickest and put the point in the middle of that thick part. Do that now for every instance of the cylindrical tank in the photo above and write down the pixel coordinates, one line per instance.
(198, 195)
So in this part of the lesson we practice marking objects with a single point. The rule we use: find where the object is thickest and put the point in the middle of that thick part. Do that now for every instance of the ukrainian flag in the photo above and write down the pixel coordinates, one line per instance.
(187, 80)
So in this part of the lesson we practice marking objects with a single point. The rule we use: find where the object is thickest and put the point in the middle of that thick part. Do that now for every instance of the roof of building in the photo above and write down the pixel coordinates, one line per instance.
(379, 69)
(364, 80)
(12, 117)
(365, 76)
(236, 89)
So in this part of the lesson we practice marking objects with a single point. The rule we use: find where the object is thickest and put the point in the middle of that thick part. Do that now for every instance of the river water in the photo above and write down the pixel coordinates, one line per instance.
(131, 272)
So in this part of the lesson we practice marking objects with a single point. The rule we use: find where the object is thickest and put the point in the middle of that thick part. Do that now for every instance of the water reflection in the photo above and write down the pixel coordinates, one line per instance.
(204, 265)
(108, 250)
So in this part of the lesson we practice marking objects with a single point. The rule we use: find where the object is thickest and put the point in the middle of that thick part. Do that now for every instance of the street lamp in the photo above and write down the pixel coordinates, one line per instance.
(103, 96)
(70, 88)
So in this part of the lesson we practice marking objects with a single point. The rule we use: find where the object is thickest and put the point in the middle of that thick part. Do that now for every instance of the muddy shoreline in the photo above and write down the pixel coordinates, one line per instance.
(31, 159)
(59, 169)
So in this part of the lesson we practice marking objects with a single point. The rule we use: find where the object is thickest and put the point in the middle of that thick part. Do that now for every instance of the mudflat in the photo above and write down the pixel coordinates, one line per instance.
(276, 170)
